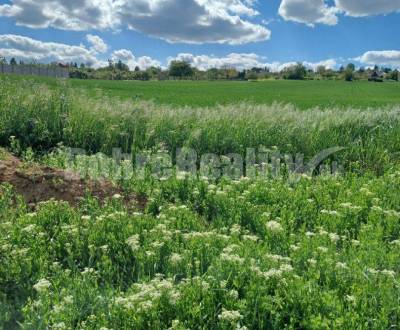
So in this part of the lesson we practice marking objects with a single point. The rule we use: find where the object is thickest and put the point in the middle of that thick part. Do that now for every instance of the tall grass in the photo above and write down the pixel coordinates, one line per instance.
(41, 118)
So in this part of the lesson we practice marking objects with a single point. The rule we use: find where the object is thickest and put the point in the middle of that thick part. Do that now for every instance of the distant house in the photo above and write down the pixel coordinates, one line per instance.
(376, 76)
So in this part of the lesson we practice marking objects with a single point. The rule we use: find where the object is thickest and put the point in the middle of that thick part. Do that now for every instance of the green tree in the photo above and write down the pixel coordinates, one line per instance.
(351, 67)
(180, 69)
(348, 75)
(295, 72)
(13, 61)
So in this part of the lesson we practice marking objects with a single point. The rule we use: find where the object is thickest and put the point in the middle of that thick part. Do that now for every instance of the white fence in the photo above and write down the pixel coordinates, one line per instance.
(33, 70)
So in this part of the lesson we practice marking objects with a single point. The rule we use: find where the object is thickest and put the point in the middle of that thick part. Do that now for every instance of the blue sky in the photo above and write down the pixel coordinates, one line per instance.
(239, 33)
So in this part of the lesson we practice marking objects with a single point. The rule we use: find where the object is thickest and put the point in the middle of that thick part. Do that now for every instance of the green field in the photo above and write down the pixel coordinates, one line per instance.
(303, 94)
(257, 252)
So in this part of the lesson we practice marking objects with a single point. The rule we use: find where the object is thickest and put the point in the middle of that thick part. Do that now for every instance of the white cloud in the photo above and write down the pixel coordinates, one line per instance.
(309, 12)
(98, 44)
(25, 48)
(234, 60)
(243, 61)
(127, 57)
(187, 21)
(313, 12)
(383, 57)
(358, 8)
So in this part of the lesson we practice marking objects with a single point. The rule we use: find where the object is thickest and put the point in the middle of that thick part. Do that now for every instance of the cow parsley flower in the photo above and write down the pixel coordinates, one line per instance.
(42, 285)
(274, 226)
(229, 316)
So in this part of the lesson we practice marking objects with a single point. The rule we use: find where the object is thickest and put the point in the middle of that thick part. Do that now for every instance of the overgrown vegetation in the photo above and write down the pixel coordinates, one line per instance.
(318, 253)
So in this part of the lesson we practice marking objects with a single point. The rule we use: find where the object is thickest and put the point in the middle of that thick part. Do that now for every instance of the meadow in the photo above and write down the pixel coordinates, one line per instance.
(302, 94)
(320, 252)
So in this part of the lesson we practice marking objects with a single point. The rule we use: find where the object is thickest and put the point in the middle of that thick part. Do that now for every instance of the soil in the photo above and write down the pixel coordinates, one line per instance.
(38, 184)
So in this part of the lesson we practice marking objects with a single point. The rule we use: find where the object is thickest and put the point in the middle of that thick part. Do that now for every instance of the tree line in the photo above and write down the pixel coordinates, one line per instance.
(180, 70)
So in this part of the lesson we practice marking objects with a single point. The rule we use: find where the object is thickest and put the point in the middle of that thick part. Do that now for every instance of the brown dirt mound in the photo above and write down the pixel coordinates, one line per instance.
(37, 183)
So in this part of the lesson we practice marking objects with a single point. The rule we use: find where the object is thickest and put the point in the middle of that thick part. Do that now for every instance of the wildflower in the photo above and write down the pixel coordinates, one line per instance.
(294, 247)
(88, 271)
(350, 299)
(277, 257)
(230, 316)
(133, 242)
(312, 262)
(376, 209)
(396, 242)
(60, 325)
(69, 300)
(233, 294)
(29, 229)
(341, 265)
(372, 271)
(272, 273)
(42, 285)
(274, 226)
(286, 268)
(322, 249)
(355, 242)
(175, 258)
(389, 273)
(334, 237)
(252, 238)
(117, 196)
(236, 229)
(310, 234)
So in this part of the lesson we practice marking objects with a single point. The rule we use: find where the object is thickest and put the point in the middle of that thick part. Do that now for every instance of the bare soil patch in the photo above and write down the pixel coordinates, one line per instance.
(38, 183)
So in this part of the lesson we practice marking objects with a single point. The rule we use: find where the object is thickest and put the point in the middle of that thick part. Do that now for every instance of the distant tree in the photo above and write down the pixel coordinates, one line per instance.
(122, 66)
(295, 72)
(351, 67)
(349, 75)
(212, 74)
(3, 60)
(252, 75)
(393, 75)
(242, 75)
(110, 64)
(321, 70)
(180, 69)
(82, 66)
(21, 62)
(13, 61)
(137, 69)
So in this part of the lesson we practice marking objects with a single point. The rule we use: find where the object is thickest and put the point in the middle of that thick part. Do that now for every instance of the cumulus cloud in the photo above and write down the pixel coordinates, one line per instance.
(98, 44)
(128, 58)
(309, 12)
(313, 12)
(383, 57)
(358, 8)
(176, 21)
(243, 61)
(27, 49)
(234, 60)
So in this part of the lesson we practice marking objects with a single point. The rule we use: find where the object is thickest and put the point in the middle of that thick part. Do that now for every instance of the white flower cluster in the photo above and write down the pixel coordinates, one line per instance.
(42, 285)
(229, 316)
(133, 242)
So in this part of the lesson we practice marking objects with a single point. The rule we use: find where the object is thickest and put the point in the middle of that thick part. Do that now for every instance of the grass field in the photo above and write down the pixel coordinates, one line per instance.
(264, 252)
(303, 94)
